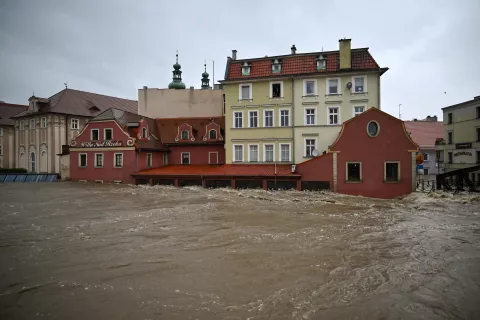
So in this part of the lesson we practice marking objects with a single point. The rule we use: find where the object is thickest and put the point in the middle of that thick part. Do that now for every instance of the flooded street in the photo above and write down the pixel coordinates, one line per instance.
(81, 251)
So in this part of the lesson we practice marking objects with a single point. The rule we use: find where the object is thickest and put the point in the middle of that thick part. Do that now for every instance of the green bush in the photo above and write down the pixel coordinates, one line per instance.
(13, 170)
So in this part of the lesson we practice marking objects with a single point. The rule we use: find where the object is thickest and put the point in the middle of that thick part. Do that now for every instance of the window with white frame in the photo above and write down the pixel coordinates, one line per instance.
(238, 153)
(276, 89)
(245, 92)
(392, 171)
(425, 171)
(310, 87)
(321, 62)
(268, 150)
(359, 84)
(357, 110)
(118, 162)
(94, 135)
(149, 160)
(268, 118)
(333, 115)
(309, 116)
(98, 160)
(285, 152)
(253, 153)
(185, 157)
(333, 86)
(82, 160)
(32, 123)
(74, 124)
(425, 157)
(43, 122)
(252, 119)
(354, 171)
(276, 66)
(309, 147)
(108, 133)
(238, 119)
(284, 118)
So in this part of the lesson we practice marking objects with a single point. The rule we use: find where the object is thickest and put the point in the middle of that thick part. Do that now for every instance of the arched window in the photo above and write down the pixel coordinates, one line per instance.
(184, 135)
(32, 162)
(144, 132)
(213, 134)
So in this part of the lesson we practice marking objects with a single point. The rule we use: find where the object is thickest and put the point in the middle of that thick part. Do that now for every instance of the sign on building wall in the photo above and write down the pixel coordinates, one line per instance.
(101, 144)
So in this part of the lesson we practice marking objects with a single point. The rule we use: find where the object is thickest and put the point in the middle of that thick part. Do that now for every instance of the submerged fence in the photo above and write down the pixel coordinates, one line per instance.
(28, 177)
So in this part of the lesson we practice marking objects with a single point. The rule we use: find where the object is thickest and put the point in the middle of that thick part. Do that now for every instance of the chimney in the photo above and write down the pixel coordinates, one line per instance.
(234, 54)
(192, 87)
(345, 53)
(293, 49)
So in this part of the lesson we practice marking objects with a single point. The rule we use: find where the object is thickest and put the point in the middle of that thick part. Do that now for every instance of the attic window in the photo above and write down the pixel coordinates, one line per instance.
(246, 69)
(184, 135)
(144, 132)
(213, 134)
(276, 66)
(321, 62)
(93, 108)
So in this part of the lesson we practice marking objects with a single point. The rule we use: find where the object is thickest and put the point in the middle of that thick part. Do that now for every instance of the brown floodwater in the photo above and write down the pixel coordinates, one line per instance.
(83, 251)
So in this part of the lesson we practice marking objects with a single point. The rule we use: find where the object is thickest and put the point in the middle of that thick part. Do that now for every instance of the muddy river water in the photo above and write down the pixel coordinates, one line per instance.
(81, 251)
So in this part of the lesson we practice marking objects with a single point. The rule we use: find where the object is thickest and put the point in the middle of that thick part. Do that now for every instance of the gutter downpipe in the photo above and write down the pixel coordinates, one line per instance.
(293, 121)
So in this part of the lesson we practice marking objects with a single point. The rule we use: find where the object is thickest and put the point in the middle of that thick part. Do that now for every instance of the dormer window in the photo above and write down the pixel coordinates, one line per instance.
(144, 133)
(184, 135)
(212, 134)
(276, 66)
(246, 69)
(321, 62)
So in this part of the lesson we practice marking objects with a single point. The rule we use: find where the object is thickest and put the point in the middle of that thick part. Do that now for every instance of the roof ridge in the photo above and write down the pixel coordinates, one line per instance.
(99, 94)
(299, 54)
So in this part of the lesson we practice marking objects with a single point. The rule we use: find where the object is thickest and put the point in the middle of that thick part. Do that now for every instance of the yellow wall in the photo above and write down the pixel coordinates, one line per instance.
(260, 101)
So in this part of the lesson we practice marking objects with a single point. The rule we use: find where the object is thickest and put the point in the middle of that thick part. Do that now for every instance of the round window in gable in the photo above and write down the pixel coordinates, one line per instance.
(373, 128)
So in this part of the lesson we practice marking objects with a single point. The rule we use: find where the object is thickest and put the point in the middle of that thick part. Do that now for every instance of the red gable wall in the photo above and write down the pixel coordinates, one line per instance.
(118, 133)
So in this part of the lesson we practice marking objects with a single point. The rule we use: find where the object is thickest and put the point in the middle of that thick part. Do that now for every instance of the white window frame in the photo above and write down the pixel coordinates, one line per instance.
(427, 170)
(181, 158)
(258, 152)
(385, 171)
(149, 160)
(364, 77)
(105, 133)
(235, 155)
(289, 152)
(305, 94)
(305, 146)
(249, 121)
(32, 124)
(339, 86)
(265, 118)
(346, 171)
(115, 158)
(339, 122)
(358, 106)
(265, 152)
(95, 160)
(234, 122)
(280, 117)
(43, 122)
(80, 160)
(314, 116)
(281, 89)
(77, 122)
(91, 134)
(426, 157)
(240, 91)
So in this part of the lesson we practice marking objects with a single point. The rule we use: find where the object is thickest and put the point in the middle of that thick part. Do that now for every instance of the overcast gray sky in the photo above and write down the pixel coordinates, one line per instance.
(115, 47)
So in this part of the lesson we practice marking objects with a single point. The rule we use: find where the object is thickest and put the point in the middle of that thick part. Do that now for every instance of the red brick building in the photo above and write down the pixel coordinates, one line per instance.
(373, 156)
(114, 145)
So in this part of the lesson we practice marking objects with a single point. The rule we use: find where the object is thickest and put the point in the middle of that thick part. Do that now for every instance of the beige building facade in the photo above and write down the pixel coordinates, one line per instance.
(7, 133)
(290, 108)
(460, 147)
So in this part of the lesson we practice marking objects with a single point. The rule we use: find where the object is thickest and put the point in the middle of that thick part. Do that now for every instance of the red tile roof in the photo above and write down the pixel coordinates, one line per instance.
(299, 64)
(264, 170)
(424, 133)
(169, 129)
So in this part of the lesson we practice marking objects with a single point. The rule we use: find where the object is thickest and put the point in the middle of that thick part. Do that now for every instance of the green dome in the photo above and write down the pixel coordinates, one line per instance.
(177, 66)
(176, 85)
(205, 74)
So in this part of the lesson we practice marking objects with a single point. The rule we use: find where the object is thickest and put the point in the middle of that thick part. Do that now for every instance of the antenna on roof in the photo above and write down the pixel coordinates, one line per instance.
(65, 85)
(322, 48)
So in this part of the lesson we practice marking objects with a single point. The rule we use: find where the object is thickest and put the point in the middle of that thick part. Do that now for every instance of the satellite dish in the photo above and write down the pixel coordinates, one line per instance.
(315, 152)
(349, 85)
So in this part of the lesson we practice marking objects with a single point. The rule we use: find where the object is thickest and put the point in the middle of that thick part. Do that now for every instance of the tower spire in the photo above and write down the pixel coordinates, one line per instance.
(177, 76)
(205, 80)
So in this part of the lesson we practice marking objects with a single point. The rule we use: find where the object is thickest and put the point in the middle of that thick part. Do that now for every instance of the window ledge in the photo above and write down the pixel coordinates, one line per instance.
(249, 100)
(353, 181)
(277, 98)
(333, 94)
(362, 92)
(392, 182)
(310, 96)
